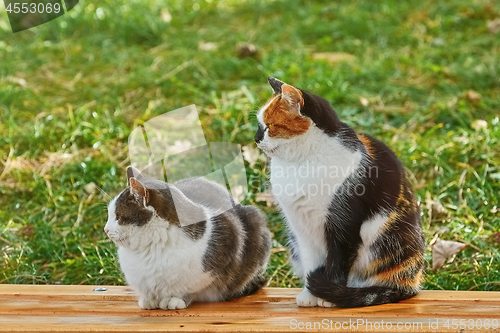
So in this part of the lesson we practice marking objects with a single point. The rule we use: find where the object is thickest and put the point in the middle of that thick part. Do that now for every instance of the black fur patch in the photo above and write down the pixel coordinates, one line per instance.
(260, 133)
(321, 113)
(345, 297)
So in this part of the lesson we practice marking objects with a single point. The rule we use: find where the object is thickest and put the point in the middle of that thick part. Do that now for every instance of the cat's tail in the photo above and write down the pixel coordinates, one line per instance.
(342, 296)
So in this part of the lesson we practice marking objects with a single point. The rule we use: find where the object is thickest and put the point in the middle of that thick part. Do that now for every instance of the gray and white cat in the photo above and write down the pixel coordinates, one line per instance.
(168, 265)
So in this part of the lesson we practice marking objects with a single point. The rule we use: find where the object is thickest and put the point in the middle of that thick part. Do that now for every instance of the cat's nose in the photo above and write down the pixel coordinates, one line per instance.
(259, 135)
(106, 231)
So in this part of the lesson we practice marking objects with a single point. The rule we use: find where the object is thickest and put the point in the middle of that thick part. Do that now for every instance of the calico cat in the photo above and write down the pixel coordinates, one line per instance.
(354, 223)
(168, 264)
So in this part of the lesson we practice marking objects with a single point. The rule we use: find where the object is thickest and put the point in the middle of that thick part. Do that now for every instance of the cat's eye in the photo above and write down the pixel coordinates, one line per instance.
(270, 125)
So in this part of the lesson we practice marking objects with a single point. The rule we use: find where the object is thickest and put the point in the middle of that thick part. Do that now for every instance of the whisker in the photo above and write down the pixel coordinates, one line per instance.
(104, 192)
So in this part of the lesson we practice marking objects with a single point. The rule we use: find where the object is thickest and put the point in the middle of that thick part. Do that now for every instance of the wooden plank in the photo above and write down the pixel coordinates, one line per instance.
(62, 292)
(247, 307)
(85, 292)
(206, 324)
(35, 308)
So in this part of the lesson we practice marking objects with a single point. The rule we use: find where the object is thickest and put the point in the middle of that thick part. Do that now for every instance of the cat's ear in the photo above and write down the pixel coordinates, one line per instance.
(275, 84)
(294, 98)
(133, 172)
(136, 187)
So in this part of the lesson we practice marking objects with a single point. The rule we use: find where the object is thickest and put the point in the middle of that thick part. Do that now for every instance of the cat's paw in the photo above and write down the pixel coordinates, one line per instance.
(172, 303)
(148, 303)
(325, 304)
(306, 299)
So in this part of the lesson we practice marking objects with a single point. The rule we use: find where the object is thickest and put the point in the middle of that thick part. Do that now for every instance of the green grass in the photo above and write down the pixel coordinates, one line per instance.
(73, 89)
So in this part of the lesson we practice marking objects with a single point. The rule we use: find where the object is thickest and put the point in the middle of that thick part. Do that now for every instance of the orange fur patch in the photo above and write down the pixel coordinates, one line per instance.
(372, 268)
(283, 123)
(402, 205)
(391, 219)
(402, 200)
(396, 275)
(377, 262)
(369, 148)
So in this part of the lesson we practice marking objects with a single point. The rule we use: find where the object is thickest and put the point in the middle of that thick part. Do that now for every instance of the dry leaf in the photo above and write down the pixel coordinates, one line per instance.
(494, 26)
(90, 187)
(478, 124)
(442, 250)
(27, 230)
(165, 15)
(438, 41)
(19, 80)
(244, 50)
(250, 154)
(265, 196)
(496, 237)
(278, 249)
(437, 212)
(420, 184)
(364, 101)
(333, 56)
(452, 102)
(202, 46)
(473, 96)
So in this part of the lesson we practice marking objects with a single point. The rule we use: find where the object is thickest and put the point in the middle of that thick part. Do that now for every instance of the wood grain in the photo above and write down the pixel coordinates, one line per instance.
(35, 308)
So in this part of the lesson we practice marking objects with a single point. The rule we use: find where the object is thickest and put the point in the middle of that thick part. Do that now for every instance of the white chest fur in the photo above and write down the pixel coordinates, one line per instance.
(172, 269)
(304, 187)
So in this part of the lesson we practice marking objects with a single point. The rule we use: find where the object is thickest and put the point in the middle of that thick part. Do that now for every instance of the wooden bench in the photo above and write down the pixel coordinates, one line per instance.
(36, 308)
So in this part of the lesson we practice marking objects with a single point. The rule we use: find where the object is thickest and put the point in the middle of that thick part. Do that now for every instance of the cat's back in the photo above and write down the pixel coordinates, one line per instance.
(380, 154)
(205, 192)
(213, 195)
(384, 178)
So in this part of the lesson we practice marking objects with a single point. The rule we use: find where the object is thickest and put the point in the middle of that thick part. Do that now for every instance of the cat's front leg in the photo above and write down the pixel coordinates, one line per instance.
(175, 303)
(147, 302)
(308, 257)
(306, 299)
